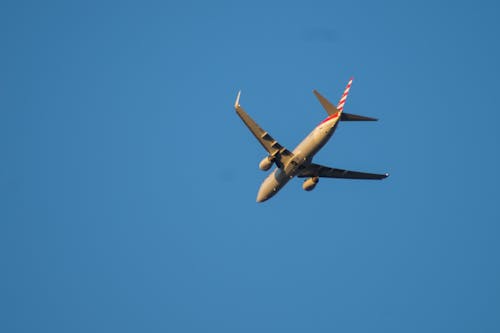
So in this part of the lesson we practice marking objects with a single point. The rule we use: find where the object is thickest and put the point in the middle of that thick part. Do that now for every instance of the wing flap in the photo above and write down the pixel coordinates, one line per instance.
(316, 170)
(272, 146)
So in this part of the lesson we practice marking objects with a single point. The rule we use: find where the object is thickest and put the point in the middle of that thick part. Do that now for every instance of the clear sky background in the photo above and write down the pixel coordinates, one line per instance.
(128, 183)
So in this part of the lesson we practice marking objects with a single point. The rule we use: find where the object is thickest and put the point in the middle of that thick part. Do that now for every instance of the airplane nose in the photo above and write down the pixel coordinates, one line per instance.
(261, 196)
(267, 188)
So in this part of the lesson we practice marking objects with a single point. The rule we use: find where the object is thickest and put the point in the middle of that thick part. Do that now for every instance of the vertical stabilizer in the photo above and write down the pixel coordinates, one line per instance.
(340, 106)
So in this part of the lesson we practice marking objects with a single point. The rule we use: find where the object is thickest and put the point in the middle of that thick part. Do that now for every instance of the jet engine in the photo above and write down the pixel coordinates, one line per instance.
(310, 183)
(266, 163)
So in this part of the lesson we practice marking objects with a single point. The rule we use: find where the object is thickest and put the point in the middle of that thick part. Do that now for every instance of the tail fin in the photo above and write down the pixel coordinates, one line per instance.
(331, 109)
(348, 116)
(340, 106)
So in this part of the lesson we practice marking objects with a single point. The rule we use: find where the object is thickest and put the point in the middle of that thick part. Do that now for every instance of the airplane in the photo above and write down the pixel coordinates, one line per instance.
(298, 163)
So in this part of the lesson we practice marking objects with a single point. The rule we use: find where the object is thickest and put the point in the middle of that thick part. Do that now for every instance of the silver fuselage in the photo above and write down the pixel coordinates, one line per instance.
(303, 155)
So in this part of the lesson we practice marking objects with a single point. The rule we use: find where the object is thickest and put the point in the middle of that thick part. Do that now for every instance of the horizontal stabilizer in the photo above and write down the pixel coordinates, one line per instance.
(355, 117)
(329, 107)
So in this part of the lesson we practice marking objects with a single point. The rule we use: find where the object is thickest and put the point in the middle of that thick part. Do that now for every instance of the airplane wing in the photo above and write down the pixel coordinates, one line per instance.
(316, 170)
(280, 153)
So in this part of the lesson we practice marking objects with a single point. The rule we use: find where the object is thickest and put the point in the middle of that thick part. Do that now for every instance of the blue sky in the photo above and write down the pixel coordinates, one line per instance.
(128, 183)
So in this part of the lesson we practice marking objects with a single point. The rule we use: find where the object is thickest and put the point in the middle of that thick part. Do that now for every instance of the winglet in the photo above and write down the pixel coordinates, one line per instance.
(237, 103)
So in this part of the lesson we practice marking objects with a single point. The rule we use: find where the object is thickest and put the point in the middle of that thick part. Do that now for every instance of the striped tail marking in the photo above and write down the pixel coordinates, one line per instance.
(340, 106)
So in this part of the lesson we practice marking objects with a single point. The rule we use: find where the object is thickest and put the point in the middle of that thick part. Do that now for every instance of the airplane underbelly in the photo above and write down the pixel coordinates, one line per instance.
(313, 143)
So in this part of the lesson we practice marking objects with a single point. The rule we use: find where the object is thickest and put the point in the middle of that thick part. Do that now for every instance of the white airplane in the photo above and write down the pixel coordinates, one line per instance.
(298, 163)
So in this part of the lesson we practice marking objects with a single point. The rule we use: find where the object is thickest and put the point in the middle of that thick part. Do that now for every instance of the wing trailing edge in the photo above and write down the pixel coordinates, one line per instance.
(316, 170)
(280, 154)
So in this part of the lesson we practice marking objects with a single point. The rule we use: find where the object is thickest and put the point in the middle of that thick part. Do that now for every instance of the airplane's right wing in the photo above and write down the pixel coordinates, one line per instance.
(280, 153)
(316, 170)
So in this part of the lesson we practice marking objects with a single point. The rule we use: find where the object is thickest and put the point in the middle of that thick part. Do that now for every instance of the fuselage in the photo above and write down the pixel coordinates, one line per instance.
(303, 155)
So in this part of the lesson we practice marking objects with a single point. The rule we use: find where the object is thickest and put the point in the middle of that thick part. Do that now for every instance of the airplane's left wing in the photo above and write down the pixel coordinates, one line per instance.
(316, 170)
(275, 150)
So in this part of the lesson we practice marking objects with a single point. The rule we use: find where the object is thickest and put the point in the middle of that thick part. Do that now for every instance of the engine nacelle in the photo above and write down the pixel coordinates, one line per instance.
(266, 163)
(310, 183)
